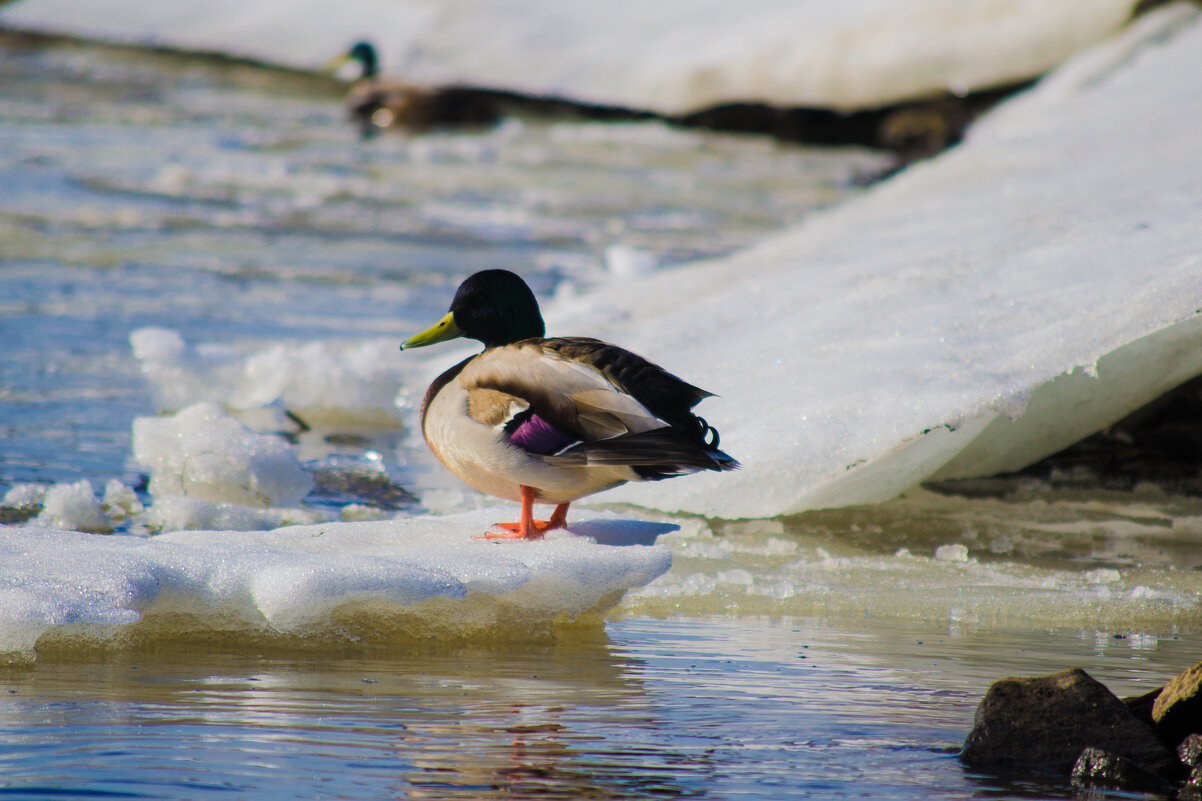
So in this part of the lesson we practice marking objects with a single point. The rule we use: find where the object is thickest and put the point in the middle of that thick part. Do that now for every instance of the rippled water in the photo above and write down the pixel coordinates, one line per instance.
(830, 655)
(692, 708)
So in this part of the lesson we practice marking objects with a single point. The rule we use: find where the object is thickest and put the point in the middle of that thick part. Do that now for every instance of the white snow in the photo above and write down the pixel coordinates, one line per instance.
(316, 584)
(671, 56)
(973, 314)
(204, 453)
(74, 506)
(178, 513)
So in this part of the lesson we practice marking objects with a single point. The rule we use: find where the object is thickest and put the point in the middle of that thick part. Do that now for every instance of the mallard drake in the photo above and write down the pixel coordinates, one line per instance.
(549, 420)
(375, 104)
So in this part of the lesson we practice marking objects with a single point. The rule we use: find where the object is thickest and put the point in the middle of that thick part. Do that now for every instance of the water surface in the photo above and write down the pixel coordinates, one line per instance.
(687, 708)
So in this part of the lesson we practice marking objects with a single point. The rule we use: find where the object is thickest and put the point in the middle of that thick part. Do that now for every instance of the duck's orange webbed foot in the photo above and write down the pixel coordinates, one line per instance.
(514, 531)
(528, 528)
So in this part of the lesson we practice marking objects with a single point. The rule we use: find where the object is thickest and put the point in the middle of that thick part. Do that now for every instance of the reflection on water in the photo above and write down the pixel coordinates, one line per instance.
(685, 708)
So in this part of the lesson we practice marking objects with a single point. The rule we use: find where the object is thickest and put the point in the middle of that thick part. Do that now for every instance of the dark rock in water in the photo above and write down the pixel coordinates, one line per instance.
(1041, 725)
(347, 483)
(1177, 712)
(1141, 705)
(1191, 789)
(11, 515)
(1096, 769)
(1190, 751)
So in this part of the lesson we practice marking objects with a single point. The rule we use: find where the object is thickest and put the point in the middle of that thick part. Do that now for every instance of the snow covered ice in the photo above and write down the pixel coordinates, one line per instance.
(320, 584)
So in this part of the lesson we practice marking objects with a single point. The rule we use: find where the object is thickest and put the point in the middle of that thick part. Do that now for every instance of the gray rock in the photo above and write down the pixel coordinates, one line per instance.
(1041, 725)
(1096, 769)
(1177, 712)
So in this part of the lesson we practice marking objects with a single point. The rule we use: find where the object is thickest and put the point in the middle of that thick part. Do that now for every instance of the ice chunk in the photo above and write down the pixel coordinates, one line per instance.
(202, 452)
(24, 496)
(324, 380)
(180, 376)
(120, 501)
(74, 506)
(953, 552)
(671, 56)
(321, 380)
(317, 584)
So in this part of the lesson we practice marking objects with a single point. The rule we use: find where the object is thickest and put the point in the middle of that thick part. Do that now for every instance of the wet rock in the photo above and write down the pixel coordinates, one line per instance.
(1096, 769)
(341, 483)
(1141, 705)
(1192, 788)
(1190, 751)
(11, 515)
(1177, 712)
(1041, 725)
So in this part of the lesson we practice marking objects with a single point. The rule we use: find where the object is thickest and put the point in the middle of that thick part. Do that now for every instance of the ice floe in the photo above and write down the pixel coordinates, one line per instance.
(973, 314)
(670, 57)
(333, 582)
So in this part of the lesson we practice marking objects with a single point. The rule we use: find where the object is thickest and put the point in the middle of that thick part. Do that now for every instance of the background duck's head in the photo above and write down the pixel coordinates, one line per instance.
(493, 306)
(363, 56)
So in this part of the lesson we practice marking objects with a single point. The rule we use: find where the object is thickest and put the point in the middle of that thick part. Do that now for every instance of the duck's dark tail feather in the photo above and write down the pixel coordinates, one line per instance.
(662, 453)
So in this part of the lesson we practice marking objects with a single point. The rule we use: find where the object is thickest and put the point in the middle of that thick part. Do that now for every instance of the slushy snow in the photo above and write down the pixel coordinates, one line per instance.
(672, 56)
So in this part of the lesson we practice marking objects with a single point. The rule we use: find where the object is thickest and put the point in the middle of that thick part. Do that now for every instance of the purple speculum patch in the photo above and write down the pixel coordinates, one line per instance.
(536, 435)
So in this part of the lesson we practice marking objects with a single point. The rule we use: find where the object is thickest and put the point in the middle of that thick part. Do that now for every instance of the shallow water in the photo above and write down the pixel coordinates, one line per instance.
(831, 654)
(693, 708)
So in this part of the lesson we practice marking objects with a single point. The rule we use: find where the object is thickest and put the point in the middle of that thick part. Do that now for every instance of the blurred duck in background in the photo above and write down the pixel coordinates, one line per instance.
(378, 104)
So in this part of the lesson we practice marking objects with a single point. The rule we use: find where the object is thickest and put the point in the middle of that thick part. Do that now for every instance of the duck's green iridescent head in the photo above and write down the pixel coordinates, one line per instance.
(493, 306)
(365, 54)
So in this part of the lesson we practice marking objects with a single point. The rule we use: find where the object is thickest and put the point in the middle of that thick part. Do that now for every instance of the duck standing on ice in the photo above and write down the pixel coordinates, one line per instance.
(549, 420)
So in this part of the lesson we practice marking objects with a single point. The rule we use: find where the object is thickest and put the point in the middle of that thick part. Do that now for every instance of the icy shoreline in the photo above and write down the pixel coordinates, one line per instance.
(672, 58)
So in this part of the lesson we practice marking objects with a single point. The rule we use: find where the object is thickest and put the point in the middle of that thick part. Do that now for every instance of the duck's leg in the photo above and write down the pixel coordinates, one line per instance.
(529, 528)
